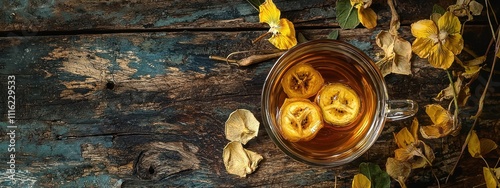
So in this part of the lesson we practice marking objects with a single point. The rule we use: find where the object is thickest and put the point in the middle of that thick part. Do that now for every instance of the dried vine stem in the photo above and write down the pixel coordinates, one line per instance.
(481, 101)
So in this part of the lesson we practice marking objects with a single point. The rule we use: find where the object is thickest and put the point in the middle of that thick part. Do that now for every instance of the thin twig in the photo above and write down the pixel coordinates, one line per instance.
(455, 101)
(394, 25)
(480, 109)
(435, 176)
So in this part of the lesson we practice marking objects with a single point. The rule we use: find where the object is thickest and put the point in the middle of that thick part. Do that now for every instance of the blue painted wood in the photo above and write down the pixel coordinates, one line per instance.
(111, 106)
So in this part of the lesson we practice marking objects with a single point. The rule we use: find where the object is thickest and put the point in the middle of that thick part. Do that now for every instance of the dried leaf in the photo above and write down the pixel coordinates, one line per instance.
(475, 8)
(399, 170)
(442, 122)
(474, 145)
(472, 67)
(346, 15)
(487, 145)
(360, 181)
(401, 63)
(333, 35)
(397, 54)
(491, 182)
(377, 176)
(241, 126)
(463, 92)
(240, 161)
(497, 172)
(301, 38)
(423, 158)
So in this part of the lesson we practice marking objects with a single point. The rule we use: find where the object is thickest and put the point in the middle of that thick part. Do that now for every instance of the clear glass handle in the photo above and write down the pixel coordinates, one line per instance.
(400, 109)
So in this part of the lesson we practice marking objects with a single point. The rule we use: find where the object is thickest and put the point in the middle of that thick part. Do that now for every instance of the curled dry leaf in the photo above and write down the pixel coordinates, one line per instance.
(489, 178)
(442, 122)
(480, 147)
(463, 92)
(240, 161)
(241, 126)
(466, 8)
(472, 67)
(361, 181)
(397, 54)
(497, 172)
(399, 170)
(411, 149)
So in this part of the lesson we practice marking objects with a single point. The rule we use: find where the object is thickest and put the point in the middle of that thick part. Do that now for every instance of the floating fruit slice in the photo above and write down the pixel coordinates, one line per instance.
(339, 104)
(300, 119)
(302, 81)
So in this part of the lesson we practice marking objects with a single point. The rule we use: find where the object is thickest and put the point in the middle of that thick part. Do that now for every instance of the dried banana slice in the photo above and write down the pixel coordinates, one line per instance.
(300, 119)
(339, 104)
(302, 81)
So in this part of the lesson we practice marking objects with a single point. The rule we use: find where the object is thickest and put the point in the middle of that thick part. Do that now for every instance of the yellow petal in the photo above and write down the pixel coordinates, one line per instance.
(487, 145)
(284, 38)
(473, 145)
(356, 2)
(424, 29)
(286, 28)
(454, 43)
(442, 122)
(367, 17)
(431, 132)
(489, 178)
(402, 154)
(283, 42)
(422, 47)
(449, 23)
(361, 181)
(438, 114)
(414, 129)
(404, 138)
(440, 57)
(269, 13)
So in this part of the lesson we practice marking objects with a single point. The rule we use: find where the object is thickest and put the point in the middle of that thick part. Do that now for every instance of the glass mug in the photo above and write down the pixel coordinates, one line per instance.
(337, 61)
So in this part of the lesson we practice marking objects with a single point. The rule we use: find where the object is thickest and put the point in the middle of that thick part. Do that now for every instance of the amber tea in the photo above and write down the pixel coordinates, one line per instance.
(332, 139)
(344, 69)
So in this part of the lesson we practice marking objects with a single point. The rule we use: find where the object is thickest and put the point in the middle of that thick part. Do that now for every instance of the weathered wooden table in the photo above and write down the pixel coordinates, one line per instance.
(115, 93)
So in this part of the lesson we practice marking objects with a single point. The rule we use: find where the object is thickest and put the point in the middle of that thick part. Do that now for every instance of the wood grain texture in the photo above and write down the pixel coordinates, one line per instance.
(95, 15)
(147, 109)
(162, 121)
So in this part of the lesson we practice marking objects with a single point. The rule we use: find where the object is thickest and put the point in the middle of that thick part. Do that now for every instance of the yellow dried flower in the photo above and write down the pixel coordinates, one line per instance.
(282, 30)
(439, 42)
(366, 15)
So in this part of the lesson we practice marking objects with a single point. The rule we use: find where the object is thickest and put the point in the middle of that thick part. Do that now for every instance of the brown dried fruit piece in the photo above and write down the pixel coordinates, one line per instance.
(302, 81)
(299, 119)
(339, 103)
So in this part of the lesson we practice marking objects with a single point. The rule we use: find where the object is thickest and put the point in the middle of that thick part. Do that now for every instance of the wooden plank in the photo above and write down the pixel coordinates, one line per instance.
(78, 16)
(148, 109)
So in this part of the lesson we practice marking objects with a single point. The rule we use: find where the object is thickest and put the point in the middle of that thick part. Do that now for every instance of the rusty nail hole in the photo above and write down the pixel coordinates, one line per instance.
(151, 170)
(110, 85)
